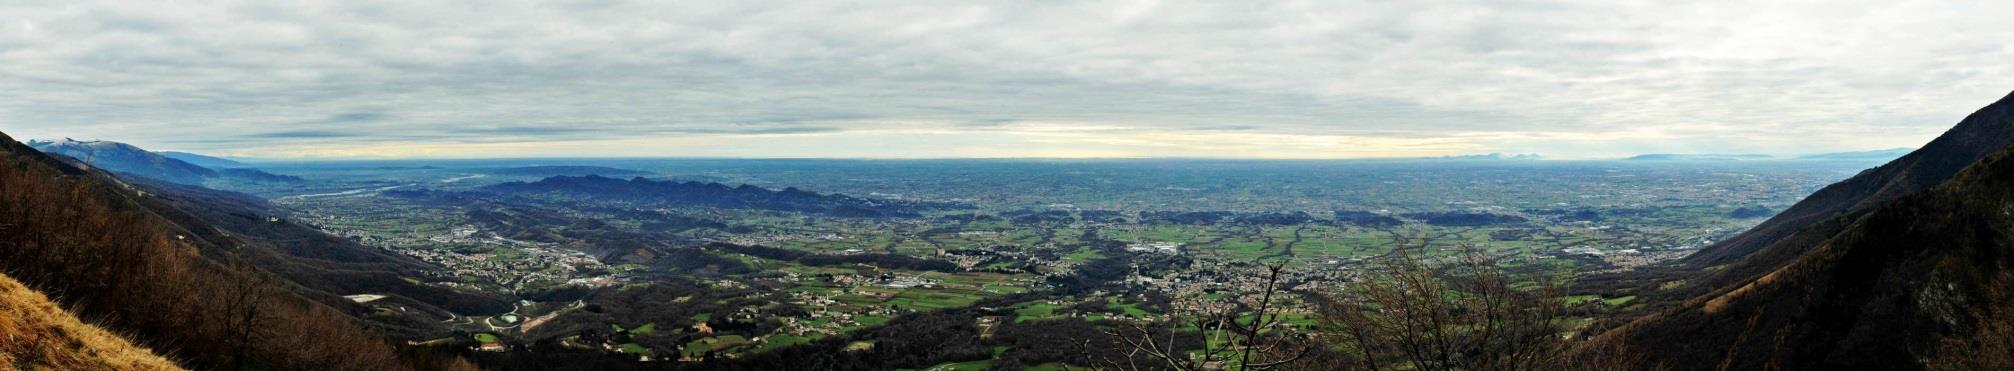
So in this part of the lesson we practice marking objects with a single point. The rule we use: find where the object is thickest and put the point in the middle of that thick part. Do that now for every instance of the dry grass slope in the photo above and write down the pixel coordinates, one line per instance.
(36, 334)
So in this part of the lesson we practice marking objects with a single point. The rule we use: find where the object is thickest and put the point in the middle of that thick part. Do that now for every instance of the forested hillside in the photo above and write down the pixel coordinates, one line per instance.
(86, 238)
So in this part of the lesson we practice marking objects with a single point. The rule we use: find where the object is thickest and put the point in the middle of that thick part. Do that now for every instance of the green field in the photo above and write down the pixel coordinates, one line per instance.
(633, 348)
(1034, 311)
(699, 347)
(1128, 309)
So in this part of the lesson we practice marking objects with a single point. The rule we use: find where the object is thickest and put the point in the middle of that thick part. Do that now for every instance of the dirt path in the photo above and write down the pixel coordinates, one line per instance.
(541, 320)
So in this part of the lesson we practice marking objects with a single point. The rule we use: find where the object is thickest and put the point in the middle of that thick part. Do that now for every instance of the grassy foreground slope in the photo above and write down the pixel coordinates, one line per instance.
(36, 334)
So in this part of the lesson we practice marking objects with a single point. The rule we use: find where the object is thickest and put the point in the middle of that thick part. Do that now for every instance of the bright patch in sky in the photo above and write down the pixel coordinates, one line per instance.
(1327, 79)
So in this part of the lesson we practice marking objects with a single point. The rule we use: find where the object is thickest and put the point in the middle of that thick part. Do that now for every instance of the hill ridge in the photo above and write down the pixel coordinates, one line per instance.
(1980, 134)
(1908, 276)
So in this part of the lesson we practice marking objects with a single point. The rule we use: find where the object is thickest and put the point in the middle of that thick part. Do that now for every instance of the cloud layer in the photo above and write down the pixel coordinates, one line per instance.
(989, 79)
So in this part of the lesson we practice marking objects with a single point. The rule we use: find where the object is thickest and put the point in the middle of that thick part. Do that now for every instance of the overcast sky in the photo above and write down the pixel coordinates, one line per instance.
(1330, 79)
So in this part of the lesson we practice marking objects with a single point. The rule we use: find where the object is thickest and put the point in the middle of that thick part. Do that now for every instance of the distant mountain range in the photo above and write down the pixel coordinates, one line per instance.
(1698, 157)
(672, 193)
(549, 171)
(1492, 156)
(1874, 155)
(1879, 154)
(178, 167)
(125, 158)
(204, 161)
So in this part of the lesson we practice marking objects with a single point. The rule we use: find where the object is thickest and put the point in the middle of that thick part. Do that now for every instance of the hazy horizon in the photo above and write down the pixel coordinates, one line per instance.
(1495, 156)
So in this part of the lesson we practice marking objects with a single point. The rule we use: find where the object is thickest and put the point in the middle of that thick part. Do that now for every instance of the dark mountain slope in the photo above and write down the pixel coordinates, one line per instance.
(1926, 281)
(181, 288)
(1897, 280)
(1800, 227)
(178, 167)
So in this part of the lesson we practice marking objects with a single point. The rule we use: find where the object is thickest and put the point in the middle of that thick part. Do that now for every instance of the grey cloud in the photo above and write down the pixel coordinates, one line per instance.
(298, 134)
(987, 123)
(759, 130)
(350, 117)
(203, 73)
(1228, 127)
(521, 130)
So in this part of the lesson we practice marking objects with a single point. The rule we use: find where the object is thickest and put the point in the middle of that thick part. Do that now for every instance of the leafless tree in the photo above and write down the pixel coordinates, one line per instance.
(1218, 336)
(242, 317)
(1465, 313)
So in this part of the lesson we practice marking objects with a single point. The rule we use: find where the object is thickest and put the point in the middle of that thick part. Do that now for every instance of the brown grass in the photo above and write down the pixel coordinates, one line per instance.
(1720, 302)
(35, 334)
